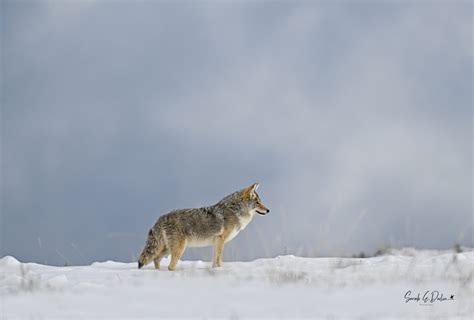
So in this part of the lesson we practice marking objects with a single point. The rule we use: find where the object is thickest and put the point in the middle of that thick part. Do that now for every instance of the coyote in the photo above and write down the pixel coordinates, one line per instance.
(201, 227)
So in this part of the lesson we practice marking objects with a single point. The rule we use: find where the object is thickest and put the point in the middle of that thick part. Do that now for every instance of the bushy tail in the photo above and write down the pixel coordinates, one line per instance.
(152, 246)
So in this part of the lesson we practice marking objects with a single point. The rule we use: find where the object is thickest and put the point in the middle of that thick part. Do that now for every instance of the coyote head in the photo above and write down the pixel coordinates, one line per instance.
(252, 200)
(149, 251)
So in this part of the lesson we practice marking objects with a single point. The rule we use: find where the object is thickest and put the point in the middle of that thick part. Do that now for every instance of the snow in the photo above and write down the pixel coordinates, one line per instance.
(281, 287)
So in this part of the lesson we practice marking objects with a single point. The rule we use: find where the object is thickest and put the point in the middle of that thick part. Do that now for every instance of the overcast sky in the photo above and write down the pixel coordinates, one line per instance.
(356, 119)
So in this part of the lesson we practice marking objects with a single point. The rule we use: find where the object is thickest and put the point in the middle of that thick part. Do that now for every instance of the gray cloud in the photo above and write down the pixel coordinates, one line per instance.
(355, 118)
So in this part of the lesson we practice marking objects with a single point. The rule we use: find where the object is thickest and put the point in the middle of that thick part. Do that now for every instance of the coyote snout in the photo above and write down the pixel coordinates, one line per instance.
(261, 209)
(208, 226)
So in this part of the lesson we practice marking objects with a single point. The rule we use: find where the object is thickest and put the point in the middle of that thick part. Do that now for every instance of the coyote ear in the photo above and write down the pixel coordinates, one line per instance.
(253, 188)
(250, 191)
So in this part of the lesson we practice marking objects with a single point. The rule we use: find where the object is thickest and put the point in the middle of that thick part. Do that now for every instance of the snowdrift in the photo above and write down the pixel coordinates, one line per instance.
(283, 287)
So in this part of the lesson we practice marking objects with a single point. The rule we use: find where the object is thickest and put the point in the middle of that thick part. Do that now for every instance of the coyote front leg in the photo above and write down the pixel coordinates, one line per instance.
(218, 249)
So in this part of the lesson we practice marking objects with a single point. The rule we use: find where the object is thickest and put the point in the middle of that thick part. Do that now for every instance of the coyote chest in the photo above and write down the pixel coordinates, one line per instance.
(209, 241)
(243, 222)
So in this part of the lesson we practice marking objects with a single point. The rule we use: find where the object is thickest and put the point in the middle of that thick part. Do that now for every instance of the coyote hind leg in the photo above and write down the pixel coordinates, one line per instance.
(176, 252)
(163, 253)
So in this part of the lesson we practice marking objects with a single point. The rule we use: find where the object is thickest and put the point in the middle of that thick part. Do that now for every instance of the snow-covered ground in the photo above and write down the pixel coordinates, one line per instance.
(282, 287)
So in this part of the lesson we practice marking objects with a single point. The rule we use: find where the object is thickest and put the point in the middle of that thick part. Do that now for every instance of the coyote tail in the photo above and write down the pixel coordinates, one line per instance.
(152, 247)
